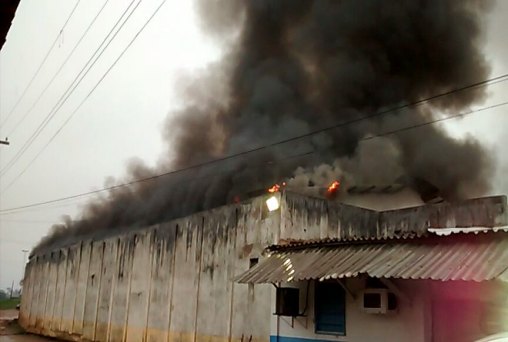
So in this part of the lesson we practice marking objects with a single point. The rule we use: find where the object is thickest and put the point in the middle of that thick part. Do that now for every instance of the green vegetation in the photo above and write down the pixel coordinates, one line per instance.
(6, 304)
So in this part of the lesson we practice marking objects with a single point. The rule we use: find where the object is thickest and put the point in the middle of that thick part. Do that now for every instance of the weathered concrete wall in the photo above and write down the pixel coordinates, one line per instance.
(479, 212)
(310, 218)
(168, 282)
(175, 281)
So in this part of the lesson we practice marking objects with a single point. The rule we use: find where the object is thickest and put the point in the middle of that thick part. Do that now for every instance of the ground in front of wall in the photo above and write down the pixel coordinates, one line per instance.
(10, 331)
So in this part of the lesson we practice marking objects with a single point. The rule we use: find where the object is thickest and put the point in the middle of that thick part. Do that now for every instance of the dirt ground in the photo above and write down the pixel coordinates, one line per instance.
(8, 314)
(11, 332)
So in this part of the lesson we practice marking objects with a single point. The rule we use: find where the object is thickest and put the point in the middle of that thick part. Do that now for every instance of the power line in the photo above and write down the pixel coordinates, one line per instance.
(403, 129)
(427, 123)
(59, 70)
(21, 242)
(70, 89)
(42, 63)
(46, 207)
(498, 79)
(87, 96)
(24, 221)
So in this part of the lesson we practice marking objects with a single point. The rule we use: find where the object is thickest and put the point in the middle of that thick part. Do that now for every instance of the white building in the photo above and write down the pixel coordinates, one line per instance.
(429, 273)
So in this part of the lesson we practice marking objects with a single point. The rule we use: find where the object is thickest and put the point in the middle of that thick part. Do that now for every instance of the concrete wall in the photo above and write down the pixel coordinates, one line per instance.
(168, 282)
(308, 218)
(175, 281)
(411, 322)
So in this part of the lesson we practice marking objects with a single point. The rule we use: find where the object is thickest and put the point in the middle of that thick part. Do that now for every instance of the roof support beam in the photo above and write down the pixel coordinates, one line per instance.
(347, 289)
(395, 289)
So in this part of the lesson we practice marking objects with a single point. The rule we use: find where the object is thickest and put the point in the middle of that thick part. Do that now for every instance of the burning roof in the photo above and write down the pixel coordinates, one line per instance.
(329, 220)
(302, 66)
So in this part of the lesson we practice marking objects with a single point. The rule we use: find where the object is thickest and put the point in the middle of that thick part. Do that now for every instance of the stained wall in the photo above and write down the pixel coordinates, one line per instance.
(174, 281)
(169, 282)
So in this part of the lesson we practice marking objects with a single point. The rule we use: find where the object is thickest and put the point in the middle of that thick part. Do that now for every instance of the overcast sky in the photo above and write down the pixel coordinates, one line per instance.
(123, 116)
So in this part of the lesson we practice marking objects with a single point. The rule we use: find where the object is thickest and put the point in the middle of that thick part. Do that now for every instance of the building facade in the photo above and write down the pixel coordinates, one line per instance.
(200, 278)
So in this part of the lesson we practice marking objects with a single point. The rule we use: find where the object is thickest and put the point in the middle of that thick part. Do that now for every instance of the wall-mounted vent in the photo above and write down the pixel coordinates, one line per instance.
(378, 301)
(287, 301)
(253, 262)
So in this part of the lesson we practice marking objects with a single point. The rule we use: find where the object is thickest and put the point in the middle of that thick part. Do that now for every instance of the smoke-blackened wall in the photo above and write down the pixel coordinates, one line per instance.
(293, 67)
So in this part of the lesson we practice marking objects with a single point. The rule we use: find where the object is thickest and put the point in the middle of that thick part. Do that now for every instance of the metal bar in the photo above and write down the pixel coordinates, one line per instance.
(395, 289)
(347, 289)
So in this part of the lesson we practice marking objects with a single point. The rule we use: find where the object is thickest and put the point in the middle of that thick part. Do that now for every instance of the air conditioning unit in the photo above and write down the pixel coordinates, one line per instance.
(287, 301)
(378, 301)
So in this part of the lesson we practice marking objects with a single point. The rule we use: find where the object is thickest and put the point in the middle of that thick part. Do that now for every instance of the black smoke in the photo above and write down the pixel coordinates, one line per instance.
(295, 66)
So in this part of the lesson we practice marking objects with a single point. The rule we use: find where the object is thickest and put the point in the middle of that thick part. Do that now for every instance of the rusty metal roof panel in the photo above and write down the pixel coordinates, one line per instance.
(464, 260)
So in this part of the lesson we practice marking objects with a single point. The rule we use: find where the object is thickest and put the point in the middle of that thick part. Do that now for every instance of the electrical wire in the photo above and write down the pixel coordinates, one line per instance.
(497, 79)
(20, 242)
(427, 123)
(40, 65)
(48, 206)
(24, 221)
(75, 83)
(70, 89)
(58, 71)
(403, 129)
(86, 97)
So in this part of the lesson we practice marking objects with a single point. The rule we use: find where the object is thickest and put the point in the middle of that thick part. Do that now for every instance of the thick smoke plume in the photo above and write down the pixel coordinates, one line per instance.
(293, 67)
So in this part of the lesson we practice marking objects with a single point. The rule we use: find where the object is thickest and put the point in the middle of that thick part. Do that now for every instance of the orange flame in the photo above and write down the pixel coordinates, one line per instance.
(334, 187)
(274, 188)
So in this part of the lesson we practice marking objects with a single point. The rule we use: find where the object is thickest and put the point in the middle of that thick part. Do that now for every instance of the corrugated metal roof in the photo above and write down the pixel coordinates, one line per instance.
(285, 244)
(466, 230)
(461, 260)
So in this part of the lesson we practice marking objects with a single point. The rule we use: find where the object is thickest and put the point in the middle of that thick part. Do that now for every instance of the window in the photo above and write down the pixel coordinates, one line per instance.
(253, 262)
(330, 308)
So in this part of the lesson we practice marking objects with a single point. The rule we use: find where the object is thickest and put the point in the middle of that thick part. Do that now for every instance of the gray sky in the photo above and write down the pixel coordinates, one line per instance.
(122, 119)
